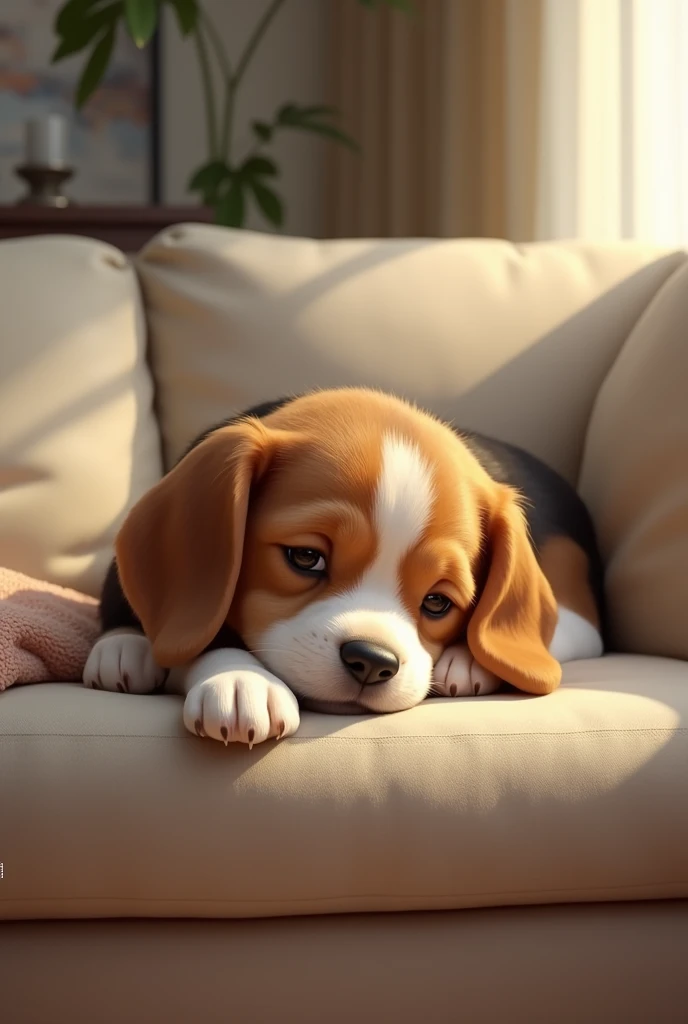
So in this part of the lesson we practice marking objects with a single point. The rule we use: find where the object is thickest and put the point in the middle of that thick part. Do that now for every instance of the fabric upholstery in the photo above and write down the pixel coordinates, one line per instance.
(110, 808)
(635, 479)
(581, 964)
(513, 341)
(78, 441)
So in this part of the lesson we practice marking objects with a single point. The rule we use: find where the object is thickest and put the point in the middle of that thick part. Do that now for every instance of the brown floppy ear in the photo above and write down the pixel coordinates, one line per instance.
(179, 550)
(514, 621)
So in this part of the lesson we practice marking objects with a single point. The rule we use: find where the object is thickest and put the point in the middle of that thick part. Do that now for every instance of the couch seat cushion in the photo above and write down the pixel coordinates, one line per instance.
(109, 808)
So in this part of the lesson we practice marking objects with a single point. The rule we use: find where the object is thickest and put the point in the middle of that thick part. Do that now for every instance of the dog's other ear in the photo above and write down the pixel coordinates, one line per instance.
(179, 550)
(514, 621)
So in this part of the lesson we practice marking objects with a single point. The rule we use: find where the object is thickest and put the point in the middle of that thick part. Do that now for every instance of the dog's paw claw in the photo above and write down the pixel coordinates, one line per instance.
(123, 663)
(241, 706)
(458, 674)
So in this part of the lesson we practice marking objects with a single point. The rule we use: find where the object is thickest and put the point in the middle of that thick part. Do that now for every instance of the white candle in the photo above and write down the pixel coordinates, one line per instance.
(46, 141)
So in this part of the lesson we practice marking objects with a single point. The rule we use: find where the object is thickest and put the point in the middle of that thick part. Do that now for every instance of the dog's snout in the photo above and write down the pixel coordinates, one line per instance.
(369, 663)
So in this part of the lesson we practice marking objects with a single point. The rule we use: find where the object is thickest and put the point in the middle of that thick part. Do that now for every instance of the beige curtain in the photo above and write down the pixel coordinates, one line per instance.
(613, 153)
(444, 106)
(522, 119)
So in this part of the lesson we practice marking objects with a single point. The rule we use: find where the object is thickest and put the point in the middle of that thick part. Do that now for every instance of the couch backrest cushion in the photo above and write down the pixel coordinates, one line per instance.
(635, 479)
(513, 341)
(78, 438)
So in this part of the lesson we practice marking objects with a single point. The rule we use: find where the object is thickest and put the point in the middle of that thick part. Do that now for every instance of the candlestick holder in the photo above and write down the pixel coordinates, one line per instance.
(45, 185)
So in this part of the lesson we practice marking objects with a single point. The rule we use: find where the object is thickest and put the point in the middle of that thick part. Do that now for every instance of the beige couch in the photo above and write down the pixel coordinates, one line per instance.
(490, 860)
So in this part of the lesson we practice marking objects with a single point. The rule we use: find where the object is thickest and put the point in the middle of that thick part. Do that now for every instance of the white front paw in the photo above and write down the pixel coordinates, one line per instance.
(458, 674)
(241, 705)
(124, 662)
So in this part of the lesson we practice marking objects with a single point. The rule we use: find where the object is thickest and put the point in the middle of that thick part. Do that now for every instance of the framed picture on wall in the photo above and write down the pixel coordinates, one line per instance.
(113, 142)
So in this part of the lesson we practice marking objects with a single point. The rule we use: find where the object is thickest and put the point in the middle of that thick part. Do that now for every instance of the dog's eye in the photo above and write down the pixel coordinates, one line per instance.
(436, 605)
(306, 560)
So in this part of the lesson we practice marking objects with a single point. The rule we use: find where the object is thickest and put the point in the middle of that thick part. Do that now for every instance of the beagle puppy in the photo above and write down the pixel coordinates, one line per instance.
(347, 552)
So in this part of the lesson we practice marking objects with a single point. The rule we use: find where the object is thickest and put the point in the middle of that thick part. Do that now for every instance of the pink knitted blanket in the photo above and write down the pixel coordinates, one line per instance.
(46, 632)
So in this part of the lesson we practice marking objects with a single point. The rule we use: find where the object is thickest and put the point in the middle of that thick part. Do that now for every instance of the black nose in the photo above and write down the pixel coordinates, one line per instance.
(369, 663)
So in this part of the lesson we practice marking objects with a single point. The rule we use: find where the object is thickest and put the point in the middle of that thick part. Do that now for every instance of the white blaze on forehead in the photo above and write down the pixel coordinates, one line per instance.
(403, 501)
(305, 650)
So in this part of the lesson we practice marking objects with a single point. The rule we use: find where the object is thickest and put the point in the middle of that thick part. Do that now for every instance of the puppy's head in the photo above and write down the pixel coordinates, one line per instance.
(348, 538)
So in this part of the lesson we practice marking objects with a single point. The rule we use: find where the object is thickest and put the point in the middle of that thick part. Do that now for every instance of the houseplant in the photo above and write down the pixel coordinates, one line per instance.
(226, 180)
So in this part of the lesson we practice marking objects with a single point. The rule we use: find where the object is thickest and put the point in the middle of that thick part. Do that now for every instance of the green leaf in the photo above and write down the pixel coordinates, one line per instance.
(327, 130)
(257, 166)
(209, 176)
(262, 130)
(269, 202)
(286, 114)
(187, 15)
(292, 115)
(95, 68)
(304, 118)
(399, 5)
(142, 20)
(317, 111)
(70, 14)
(84, 30)
(231, 208)
(208, 179)
(66, 48)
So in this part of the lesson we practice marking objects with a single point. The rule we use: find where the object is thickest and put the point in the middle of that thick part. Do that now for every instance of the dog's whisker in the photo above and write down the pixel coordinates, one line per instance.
(292, 652)
(282, 650)
(296, 647)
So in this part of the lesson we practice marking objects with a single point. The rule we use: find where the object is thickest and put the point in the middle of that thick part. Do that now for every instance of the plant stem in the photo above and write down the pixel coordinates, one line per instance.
(234, 80)
(228, 121)
(258, 34)
(215, 40)
(209, 91)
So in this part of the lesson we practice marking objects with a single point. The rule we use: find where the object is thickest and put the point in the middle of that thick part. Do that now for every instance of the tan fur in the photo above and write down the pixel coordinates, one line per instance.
(191, 557)
(180, 548)
(514, 621)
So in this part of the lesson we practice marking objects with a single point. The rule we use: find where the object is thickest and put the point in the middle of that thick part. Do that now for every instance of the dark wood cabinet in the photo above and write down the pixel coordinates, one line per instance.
(127, 227)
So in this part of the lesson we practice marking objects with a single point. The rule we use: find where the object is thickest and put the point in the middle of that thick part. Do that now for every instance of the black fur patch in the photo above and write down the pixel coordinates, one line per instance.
(552, 507)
